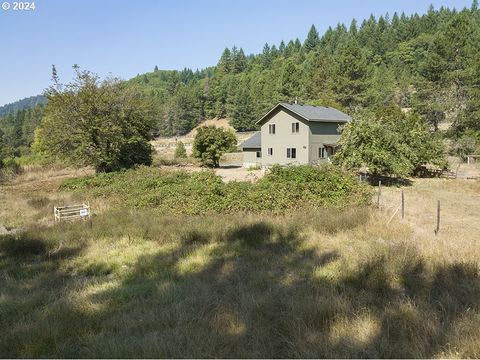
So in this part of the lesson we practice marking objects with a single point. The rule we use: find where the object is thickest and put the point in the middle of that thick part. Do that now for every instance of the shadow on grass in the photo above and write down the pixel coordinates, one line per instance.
(34, 302)
(388, 180)
(264, 301)
(22, 245)
(256, 294)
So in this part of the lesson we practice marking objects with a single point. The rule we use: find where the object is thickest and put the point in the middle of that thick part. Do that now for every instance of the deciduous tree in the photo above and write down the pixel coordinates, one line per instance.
(103, 124)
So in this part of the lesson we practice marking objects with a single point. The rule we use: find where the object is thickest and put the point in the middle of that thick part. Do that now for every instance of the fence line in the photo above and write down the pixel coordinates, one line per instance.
(402, 208)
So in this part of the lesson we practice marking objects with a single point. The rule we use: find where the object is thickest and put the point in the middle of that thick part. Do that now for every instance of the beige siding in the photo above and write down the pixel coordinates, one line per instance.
(322, 133)
(250, 158)
(284, 138)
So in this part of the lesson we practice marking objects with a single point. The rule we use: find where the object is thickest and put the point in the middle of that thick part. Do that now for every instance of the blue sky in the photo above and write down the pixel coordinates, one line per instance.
(130, 37)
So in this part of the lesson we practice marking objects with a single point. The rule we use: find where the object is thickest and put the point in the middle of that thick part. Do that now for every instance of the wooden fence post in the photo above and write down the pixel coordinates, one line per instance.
(438, 218)
(379, 193)
(403, 205)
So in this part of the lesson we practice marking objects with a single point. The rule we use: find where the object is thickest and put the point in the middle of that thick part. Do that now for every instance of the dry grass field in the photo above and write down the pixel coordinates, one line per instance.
(323, 283)
(459, 211)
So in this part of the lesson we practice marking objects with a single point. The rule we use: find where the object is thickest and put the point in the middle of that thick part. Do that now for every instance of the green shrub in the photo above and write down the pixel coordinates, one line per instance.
(211, 143)
(12, 164)
(180, 151)
(34, 159)
(10, 167)
(181, 192)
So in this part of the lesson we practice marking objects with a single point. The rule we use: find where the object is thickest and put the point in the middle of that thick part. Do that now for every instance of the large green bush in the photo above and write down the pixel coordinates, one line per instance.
(388, 142)
(211, 143)
(181, 192)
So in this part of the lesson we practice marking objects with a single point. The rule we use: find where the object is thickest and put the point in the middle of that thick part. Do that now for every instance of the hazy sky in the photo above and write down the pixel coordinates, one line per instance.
(130, 37)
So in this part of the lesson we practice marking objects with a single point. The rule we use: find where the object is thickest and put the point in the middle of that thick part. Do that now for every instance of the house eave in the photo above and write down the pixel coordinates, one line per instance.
(261, 121)
(274, 108)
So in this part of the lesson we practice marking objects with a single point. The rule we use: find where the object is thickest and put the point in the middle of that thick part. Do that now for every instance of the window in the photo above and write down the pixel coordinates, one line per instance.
(291, 153)
(271, 128)
(295, 127)
(259, 154)
(322, 153)
(270, 151)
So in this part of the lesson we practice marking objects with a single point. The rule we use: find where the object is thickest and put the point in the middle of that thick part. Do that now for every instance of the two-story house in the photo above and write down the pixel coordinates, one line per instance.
(294, 134)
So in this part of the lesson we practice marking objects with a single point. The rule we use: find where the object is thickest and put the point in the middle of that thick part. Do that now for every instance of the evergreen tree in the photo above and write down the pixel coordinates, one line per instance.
(350, 75)
(266, 56)
(225, 63)
(290, 81)
(243, 116)
(312, 40)
(239, 61)
(353, 28)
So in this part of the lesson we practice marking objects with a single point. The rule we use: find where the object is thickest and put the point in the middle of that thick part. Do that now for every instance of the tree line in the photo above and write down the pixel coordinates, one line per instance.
(428, 63)
(396, 75)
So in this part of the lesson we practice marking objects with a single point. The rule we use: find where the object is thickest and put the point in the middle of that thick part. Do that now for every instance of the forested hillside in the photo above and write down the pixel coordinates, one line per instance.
(17, 131)
(22, 104)
(426, 62)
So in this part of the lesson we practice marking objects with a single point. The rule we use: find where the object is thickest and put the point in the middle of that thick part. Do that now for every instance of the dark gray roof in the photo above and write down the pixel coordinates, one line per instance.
(317, 113)
(255, 141)
(313, 113)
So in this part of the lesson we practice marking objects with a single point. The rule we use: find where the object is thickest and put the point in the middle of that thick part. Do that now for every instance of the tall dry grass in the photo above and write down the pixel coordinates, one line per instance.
(30, 196)
(324, 283)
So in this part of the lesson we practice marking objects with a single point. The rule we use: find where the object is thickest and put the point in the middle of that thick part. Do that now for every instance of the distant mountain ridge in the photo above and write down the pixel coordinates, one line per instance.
(26, 103)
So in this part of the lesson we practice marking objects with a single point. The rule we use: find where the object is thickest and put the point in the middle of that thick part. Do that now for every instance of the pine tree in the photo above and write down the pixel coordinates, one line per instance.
(312, 40)
(266, 56)
(243, 116)
(350, 75)
(225, 63)
(353, 28)
(239, 62)
(469, 117)
(290, 81)
(297, 44)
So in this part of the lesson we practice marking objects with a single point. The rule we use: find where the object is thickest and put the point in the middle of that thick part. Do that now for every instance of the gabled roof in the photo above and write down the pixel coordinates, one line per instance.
(255, 141)
(312, 113)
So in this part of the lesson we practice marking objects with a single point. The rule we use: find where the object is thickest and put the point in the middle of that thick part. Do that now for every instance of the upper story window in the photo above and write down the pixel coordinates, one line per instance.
(291, 153)
(295, 127)
(270, 151)
(271, 128)
(322, 153)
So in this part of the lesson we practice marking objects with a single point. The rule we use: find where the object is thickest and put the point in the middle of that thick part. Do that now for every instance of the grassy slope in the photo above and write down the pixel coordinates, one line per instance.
(316, 284)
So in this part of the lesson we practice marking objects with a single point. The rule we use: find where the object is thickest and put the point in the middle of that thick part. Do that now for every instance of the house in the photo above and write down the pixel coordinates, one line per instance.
(294, 134)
